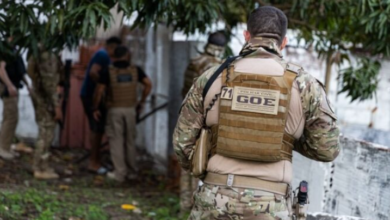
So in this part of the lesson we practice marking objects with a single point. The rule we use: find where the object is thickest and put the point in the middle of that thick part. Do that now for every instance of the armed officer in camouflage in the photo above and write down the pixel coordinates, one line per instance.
(213, 52)
(46, 72)
(258, 109)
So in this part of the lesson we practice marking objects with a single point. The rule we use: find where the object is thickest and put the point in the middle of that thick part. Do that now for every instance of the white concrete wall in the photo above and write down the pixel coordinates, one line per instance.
(357, 183)
(115, 26)
(355, 113)
(154, 131)
(360, 113)
(27, 128)
(324, 216)
(181, 53)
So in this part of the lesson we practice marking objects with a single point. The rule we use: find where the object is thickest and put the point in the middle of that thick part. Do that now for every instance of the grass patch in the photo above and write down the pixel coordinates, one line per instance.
(45, 202)
(82, 196)
(163, 207)
(47, 205)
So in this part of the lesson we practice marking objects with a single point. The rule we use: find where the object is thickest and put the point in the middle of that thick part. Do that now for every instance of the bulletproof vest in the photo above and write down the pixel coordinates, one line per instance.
(123, 87)
(252, 116)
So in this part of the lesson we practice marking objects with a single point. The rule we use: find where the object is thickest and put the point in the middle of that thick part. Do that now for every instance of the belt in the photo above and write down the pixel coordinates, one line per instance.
(246, 182)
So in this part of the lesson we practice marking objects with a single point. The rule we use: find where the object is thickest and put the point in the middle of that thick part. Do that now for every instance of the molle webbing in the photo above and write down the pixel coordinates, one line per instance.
(252, 135)
(123, 87)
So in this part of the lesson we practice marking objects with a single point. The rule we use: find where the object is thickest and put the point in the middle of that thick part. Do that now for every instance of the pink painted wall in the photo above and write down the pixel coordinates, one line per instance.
(76, 128)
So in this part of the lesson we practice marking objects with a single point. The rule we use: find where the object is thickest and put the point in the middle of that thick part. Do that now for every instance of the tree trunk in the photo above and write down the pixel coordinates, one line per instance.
(328, 71)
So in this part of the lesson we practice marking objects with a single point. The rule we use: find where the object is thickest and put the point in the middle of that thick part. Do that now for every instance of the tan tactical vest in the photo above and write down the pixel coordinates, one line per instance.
(252, 116)
(123, 87)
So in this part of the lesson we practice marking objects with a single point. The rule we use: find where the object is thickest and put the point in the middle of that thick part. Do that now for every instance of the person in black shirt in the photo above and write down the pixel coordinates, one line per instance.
(12, 74)
(120, 82)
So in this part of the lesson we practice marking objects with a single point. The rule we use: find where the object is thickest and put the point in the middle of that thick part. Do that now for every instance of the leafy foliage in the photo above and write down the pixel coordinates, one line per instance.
(335, 29)
(52, 25)
(361, 83)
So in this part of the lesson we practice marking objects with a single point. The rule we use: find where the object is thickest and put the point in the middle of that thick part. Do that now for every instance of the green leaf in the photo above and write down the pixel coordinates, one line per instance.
(60, 20)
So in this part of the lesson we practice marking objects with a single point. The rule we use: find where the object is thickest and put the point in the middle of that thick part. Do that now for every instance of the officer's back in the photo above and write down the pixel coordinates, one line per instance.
(259, 108)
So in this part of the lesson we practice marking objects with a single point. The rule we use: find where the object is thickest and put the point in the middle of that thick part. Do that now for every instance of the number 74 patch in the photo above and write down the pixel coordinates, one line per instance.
(227, 93)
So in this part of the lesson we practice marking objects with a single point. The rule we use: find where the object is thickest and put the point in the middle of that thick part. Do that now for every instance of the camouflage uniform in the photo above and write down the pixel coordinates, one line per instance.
(196, 67)
(199, 65)
(318, 142)
(218, 202)
(46, 75)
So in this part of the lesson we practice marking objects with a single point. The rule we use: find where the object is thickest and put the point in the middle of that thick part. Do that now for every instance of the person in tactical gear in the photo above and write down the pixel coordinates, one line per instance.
(213, 51)
(211, 56)
(12, 74)
(100, 61)
(120, 80)
(46, 73)
(258, 110)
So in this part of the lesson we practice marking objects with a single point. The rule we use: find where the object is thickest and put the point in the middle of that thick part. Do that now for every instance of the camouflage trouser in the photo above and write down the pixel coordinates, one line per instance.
(46, 126)
(226, 203)
(188, 185)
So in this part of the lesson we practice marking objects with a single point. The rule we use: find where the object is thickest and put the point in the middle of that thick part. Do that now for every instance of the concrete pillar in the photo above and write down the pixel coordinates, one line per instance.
(155, 130)
(181, 53)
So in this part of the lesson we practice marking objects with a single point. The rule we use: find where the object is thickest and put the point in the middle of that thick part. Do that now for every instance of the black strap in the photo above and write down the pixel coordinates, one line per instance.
(223, 66)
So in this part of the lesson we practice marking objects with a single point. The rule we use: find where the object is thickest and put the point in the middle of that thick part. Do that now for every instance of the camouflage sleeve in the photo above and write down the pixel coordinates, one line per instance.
(320, 139)
(49, 71)
(57, 95)
(190, 122)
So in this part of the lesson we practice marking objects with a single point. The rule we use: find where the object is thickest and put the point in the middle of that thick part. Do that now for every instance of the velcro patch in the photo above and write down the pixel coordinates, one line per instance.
(124, 78)
(293, 68)
(227, 93)
(264, 101)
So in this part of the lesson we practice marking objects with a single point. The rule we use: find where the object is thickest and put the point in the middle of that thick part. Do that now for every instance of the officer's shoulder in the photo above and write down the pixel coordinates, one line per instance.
(209, 72)
(202, 79)
(307, 82)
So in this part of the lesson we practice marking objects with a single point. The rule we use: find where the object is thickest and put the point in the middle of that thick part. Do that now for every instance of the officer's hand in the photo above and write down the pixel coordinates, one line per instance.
(140, 107)
(58, 114)
(13, 92)
(97, 115)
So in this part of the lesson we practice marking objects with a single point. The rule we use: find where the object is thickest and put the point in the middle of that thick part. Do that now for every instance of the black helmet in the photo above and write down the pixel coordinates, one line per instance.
(218, 38)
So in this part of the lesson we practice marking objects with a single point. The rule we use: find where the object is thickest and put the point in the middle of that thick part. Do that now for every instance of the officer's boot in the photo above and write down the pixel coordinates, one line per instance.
(45, 175)
(22, 147)
(6, 155)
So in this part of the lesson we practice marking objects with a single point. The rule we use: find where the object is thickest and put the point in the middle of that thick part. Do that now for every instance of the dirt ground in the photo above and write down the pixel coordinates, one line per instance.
(80, 195)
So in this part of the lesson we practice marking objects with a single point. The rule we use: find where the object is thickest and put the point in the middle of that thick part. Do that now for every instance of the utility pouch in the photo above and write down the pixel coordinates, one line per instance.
(201, 153)
(301, 201)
